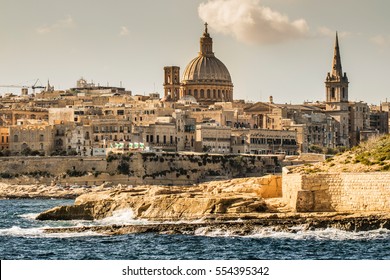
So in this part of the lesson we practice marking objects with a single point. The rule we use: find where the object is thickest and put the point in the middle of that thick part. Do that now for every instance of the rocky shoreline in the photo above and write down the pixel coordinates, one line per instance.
(346, 222)
(238, 207)
(42, 191)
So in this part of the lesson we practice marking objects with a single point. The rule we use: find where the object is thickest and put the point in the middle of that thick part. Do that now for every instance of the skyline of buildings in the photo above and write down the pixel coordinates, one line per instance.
(198, 113)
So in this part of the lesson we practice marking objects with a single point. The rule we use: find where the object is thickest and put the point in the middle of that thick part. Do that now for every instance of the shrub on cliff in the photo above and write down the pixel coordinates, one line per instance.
(112, 157)
(123, 167)
(76, 173)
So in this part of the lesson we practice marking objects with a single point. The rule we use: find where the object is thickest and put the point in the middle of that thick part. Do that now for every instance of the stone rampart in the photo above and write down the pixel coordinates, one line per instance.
(337, 191)
(137, 168)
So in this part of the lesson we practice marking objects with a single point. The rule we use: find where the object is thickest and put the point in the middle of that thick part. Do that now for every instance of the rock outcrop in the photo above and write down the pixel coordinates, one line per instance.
(277, 222)
(11, 191)
(231, 198)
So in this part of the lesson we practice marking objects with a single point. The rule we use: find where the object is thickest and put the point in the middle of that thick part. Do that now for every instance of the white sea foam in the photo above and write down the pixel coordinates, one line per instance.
(29, 216)
(299, 233)
(40, 233)
(18, 231)
(206, 231)
(121, 217)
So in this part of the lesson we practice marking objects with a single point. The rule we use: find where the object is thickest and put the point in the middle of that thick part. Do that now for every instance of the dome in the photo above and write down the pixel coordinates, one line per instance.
(206, 69)
(187, 99)
(206, 78)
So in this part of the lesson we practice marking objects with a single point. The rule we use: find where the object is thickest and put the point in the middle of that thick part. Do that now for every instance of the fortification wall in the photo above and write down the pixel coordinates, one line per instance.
(136, 168)
(337, 191)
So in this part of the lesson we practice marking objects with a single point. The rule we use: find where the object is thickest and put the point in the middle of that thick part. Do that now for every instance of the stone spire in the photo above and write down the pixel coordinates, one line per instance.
(337, 70)
(206, 43)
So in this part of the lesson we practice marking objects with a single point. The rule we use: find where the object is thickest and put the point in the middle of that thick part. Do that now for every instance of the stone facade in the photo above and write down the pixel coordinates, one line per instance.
(342, 192)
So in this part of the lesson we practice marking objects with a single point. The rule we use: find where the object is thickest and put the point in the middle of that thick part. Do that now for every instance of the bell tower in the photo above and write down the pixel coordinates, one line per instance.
(336, 82)
(171, 83)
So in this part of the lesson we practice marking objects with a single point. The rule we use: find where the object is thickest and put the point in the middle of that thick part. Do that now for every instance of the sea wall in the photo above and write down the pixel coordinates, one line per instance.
(136, 168)
(337, 191)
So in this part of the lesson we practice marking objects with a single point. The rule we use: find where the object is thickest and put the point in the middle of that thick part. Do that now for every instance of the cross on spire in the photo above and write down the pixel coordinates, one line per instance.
(205, 28)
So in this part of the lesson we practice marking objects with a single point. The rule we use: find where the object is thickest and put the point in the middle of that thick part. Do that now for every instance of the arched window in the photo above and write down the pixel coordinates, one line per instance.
(195, 93)
(201, 93)
(16, 138)
(208, 94)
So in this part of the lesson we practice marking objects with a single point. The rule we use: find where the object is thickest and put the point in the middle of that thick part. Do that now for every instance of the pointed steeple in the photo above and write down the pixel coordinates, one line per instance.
(336, 81)
(337, 70)
(206, 43)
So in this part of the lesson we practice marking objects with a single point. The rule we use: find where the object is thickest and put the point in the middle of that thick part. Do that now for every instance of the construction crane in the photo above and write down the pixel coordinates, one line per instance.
(25, 88)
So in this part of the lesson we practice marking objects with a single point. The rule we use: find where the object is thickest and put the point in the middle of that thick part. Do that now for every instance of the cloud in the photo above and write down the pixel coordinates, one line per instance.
(65, 23)
(381, 40)
(124, 31)
(250, 22)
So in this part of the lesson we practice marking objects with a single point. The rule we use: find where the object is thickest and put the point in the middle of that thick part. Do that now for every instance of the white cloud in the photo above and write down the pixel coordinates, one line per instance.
(124, 31)
(65, 23)
(250, 22)
(381, 40)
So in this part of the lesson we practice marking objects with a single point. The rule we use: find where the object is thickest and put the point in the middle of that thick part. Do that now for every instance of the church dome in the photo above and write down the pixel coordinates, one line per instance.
(206, 78)
(206, 69)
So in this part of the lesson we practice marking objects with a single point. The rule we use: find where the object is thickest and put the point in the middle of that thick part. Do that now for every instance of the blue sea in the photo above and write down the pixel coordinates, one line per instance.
(23, 238)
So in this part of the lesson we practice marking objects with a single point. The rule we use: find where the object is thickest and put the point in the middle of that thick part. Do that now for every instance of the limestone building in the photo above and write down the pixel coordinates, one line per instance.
(31, 134)
(206, 78)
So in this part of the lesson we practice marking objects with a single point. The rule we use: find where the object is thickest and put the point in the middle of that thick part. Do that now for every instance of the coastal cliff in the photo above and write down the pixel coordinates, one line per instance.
(230, 198)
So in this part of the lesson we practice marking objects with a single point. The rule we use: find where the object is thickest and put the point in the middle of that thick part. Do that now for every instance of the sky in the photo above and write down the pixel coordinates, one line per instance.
(279, 48)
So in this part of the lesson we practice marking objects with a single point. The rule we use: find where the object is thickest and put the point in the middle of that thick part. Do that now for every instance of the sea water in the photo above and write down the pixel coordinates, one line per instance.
(23, 237)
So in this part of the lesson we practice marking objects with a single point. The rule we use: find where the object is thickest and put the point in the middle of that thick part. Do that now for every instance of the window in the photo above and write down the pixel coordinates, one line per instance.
(16, 138)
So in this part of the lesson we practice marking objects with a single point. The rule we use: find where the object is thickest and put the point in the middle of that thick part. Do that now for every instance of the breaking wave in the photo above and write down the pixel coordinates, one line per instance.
(121, 217)
(299, 233)
(17, 231)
